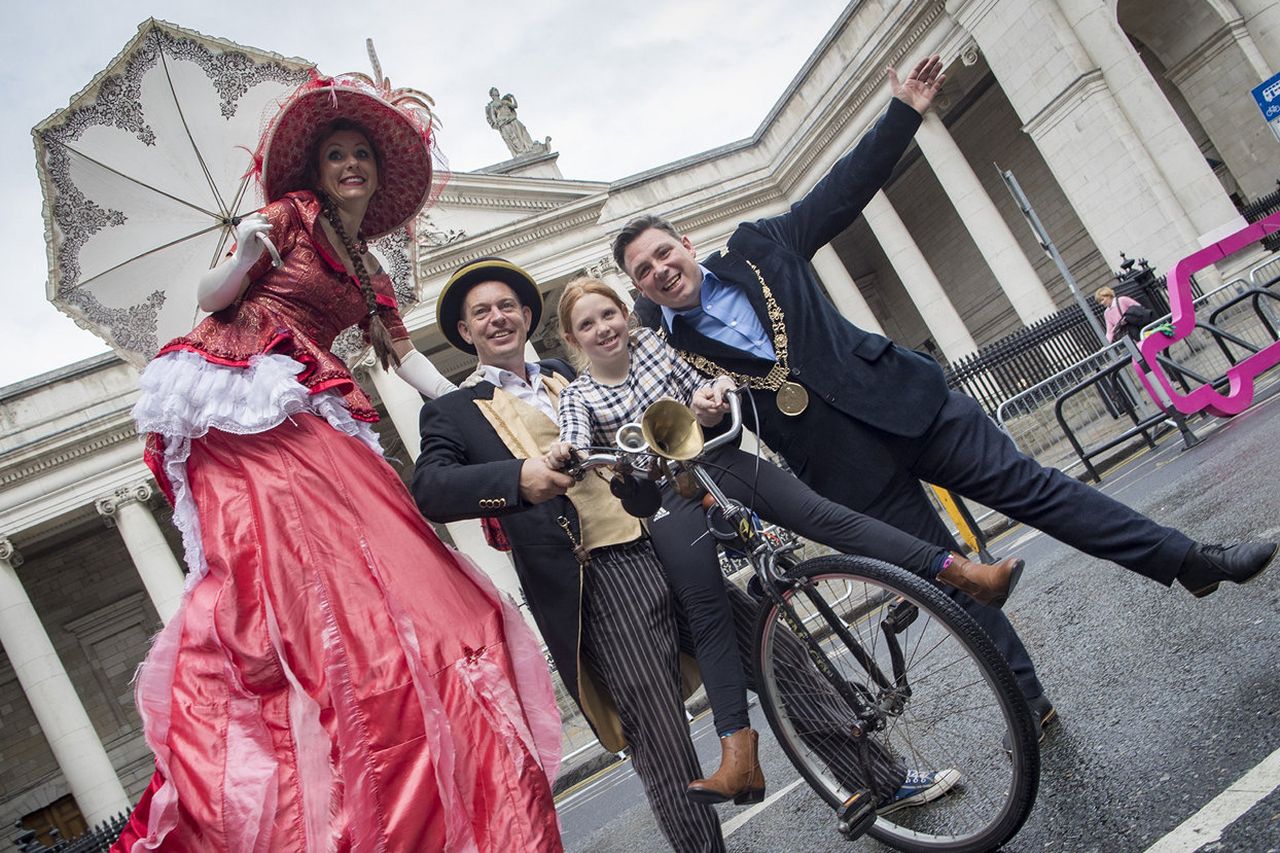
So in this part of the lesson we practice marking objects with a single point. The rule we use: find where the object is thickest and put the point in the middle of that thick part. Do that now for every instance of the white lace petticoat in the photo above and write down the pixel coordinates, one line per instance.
(184, 396)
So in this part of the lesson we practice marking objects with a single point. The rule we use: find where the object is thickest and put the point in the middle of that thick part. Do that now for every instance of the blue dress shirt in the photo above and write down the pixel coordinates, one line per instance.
(725, 315)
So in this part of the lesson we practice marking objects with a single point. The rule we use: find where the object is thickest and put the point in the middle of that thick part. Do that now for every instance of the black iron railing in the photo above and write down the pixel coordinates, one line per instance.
(1014, 363)
(1260, 208)
(96, 840)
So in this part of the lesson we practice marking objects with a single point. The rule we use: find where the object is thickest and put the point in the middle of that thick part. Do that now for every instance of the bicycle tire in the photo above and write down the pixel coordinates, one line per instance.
(966, 818)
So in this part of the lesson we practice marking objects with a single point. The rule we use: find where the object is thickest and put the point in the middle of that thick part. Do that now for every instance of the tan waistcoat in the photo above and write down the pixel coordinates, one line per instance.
(527, 433)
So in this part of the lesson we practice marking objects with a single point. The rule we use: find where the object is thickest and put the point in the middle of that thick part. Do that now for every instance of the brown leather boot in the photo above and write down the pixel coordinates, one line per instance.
(986, 584)
(739, 778)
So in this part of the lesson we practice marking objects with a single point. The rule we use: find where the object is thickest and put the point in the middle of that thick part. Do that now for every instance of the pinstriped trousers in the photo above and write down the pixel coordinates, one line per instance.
(632, 637)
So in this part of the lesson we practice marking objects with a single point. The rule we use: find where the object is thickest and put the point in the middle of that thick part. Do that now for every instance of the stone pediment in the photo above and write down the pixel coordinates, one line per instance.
(474, 204)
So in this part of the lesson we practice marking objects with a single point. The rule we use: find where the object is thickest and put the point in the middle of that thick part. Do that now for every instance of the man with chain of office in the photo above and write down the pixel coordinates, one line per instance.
(863, 420)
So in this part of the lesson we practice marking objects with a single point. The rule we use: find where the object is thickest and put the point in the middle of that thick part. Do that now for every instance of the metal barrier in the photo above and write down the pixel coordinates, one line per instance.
(1088, 417)
(1266, 273)
(96, 840)
(1144, 426)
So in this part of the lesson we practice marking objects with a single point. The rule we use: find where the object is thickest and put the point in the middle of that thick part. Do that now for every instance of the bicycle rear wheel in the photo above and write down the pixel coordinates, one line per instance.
(959, 701)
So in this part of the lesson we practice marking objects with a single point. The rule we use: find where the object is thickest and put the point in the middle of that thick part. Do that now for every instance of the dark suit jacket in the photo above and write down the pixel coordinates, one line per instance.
(861, 385)
(465, 471)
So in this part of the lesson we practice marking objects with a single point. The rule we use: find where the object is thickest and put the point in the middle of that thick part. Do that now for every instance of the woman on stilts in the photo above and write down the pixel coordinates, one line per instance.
(336, 678)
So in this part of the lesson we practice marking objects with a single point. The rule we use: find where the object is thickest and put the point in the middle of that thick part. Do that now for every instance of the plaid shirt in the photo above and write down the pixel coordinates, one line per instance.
(591, 412)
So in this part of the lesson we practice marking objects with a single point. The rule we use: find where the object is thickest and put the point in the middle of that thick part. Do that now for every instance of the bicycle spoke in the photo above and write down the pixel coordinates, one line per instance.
(941, 709)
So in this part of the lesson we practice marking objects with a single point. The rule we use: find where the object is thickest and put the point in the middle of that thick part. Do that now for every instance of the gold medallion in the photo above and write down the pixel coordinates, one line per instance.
(793, 399)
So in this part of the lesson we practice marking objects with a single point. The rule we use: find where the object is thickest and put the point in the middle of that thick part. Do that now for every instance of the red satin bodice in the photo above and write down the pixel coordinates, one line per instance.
(298, 309)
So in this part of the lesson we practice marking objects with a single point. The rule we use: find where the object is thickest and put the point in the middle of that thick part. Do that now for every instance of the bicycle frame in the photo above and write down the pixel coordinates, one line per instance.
(764, 557)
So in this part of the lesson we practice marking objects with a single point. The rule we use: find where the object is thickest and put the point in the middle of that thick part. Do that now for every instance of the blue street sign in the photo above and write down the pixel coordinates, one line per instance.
(1267, 94)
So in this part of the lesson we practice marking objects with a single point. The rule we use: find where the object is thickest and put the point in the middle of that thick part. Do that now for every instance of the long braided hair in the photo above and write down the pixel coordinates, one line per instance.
(383, 347)
(379, 337)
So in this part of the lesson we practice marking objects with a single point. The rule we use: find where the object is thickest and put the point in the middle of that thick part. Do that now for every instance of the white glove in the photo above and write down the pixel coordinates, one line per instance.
(417, 370)
(223, 284)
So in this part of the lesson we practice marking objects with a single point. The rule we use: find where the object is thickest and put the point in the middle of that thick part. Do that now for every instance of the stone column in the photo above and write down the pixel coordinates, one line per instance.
(127, 510)
(1175, 153)
(1013, 272)
(1072, 115)
(843, 290)
(403, 404)
(63, 720)
(1262, 18)
(917, 277)
(1228, 61)
(531, 354)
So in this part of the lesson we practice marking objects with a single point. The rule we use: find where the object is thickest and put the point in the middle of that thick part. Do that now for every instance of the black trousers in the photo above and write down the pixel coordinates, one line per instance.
(632, 635)
(964, 451)
(688, 556)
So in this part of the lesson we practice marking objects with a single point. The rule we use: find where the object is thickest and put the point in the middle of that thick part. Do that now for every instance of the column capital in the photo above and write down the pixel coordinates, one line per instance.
(603, 268)
(606, 269)
(9, 553)
(109, 505)
(366, 365)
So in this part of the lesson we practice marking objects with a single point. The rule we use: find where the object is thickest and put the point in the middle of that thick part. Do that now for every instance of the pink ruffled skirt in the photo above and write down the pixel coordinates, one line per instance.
(338, 679)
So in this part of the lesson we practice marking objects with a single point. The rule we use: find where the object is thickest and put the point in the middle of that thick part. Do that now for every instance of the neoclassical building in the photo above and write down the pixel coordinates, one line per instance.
(1128, 123)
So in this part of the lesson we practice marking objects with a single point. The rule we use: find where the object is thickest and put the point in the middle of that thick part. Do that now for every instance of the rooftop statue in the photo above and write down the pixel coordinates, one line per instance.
(500, 112)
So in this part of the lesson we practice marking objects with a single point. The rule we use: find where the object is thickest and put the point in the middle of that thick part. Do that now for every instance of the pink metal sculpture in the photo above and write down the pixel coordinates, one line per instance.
(1242, 375)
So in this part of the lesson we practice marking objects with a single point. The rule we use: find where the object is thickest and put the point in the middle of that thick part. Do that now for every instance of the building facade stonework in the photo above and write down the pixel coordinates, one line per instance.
(1127, 122)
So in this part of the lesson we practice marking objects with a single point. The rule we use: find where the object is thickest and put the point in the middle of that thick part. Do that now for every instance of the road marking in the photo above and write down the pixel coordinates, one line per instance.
(578, 789)
(1205, 826)
(740, 819)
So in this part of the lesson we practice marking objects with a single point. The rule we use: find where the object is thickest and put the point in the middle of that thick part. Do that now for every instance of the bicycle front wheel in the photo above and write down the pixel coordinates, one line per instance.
(928, 683)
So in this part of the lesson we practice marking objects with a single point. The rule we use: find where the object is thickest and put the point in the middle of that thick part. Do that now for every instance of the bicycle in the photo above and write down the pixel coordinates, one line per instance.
(859, 665)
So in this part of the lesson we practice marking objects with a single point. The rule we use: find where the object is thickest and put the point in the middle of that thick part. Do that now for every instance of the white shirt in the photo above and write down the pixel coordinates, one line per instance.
(533, 392)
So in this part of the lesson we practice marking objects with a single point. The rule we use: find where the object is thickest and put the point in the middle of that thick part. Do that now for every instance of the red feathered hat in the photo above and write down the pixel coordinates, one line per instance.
(399, 126)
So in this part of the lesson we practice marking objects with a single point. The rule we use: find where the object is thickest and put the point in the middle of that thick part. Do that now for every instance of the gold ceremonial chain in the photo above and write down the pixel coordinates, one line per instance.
(792, 397)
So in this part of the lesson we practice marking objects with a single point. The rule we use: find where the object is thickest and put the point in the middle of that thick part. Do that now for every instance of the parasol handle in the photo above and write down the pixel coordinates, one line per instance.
(271, 249)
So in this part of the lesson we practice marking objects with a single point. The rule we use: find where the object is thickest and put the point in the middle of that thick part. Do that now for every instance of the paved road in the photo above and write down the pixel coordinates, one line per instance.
(1166, 702)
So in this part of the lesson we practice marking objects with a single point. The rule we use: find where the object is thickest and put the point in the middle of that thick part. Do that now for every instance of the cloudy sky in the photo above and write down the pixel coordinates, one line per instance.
(620, 87)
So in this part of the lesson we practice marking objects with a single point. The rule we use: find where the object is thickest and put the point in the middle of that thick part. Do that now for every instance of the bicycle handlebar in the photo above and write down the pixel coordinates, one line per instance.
(735, 422)
(580, 465)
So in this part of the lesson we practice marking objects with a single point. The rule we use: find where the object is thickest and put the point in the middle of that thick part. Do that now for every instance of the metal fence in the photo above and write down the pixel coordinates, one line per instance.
(1021, 360)
(96, 840)
(1260, 208)
(1224, 314)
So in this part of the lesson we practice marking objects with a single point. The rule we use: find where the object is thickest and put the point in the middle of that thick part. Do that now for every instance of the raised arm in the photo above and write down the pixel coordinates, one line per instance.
(837, 200)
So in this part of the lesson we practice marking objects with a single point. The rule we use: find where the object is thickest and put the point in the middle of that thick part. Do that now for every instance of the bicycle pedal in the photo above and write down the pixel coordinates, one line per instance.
(900, 616)
(856, 814)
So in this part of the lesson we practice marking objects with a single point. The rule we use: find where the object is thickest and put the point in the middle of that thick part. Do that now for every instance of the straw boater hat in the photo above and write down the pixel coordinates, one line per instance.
(449, 305)
(398, 125)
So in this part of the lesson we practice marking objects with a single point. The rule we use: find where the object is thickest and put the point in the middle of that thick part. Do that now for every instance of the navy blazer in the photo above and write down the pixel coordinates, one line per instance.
(466, 471)
(848, 371)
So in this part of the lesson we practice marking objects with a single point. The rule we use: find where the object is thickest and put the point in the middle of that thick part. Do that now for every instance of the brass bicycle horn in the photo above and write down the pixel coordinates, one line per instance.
(671, 430)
